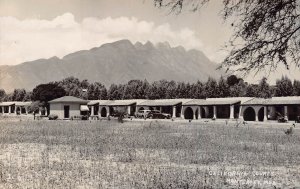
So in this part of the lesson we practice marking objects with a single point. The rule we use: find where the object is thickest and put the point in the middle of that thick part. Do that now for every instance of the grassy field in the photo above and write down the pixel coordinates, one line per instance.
(151, 154)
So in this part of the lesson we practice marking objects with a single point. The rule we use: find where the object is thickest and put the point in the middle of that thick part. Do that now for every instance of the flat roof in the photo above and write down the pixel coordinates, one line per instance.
(216, 101)
(163, 102)
(95, 102)
(255, 101)
(289, 100)
(7, 103)
(126, 102)
(17, 103)
(28, 103)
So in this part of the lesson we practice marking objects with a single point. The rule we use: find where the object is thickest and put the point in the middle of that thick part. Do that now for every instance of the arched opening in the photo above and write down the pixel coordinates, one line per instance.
(188, 113)
(103, 112)
(141, 108)
(261, 114)
(203, 112)
(197, 114)
(249, 114)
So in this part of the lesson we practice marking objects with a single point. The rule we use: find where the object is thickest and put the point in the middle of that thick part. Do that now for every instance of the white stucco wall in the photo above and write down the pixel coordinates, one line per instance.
(58, 109)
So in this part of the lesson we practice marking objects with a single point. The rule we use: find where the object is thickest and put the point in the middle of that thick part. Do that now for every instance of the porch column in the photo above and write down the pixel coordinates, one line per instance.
(46, 111)
(240, 112)
(9, 109)
(128, 110)
(231, 112)
(107, 111)
(181, 113)
(174, 112)
(26, 110)
(286, 112)
(194, 113)
(265, 113)
(256, 115)
(92, 110)
(16, 110)
(99, 111)
(199, 112)
(215, 112)
(160, 109)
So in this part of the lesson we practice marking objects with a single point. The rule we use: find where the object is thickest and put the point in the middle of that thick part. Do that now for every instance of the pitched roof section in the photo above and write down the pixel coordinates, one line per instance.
(70, 99)
(163, 102)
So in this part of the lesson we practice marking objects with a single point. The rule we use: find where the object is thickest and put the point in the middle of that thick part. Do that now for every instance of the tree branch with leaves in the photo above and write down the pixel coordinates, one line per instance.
(266, 32)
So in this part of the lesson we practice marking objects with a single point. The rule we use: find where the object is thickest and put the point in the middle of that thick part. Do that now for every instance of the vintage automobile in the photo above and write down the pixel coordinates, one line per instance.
(155, 114)
(142, 114)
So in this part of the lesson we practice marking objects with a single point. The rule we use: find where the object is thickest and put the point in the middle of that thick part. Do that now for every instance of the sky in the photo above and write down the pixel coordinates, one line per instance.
(34, 29)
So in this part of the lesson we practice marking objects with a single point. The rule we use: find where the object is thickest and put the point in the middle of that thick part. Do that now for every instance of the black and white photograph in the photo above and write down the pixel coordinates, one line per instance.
(149, 94)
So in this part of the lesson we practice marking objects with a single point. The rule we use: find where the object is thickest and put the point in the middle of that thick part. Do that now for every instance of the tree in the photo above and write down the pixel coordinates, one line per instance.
(284, 87)
(264, 90)
(238, 89)
(266, 33)
(232, 80)
(46, 92)
(2, 94)
(18, 95)
(296, 87)
(115, 92)
(251, 91)
(211, 88)
(223, 88)
(27, 96)
(171, 90)
(199, 90)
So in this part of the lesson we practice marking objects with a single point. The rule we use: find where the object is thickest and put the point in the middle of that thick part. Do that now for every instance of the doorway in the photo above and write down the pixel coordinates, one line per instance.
(66, 112)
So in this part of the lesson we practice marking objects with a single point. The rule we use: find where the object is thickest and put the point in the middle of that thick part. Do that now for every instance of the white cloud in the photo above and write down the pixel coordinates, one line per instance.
(32, 39)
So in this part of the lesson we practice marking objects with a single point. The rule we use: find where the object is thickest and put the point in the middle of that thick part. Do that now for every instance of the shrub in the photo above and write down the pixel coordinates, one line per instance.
(53, 117)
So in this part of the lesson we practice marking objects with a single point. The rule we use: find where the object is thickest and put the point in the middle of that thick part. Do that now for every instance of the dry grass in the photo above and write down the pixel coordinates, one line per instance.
(107, 154)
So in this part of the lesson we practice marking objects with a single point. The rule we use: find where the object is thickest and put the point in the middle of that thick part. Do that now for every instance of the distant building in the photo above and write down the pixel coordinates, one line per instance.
(14, 108)
(260, 109)
(243, 108)
(68, 106)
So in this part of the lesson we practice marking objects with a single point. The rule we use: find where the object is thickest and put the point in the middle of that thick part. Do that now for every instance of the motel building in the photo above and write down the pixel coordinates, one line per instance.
(14, 108)
(242, 108)
(68, 107)
(106, 108)
(260, 109)
(213, 108)
(169, 106)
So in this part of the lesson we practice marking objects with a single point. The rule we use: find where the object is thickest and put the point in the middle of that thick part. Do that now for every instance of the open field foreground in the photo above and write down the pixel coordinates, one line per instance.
(150, 154)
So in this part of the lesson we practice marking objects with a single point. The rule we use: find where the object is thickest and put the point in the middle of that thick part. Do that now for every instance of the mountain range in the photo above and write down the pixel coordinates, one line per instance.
(116, 62)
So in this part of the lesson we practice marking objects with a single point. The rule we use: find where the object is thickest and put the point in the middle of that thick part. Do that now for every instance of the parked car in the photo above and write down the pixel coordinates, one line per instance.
(119, 114)
(155, 114)
(142, 113)
(282, 120)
